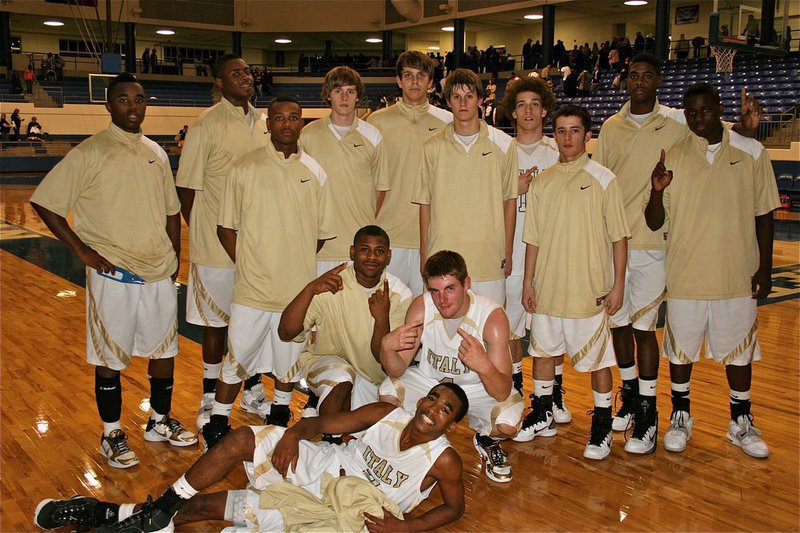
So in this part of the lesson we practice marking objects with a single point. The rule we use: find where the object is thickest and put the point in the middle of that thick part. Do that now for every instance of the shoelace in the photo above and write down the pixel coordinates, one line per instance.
(497, 455)
(599, 432)
(748, 429)
(641, 422)
(119, 444)
(558, 399)
(172, 424)
(627, 405)
(79, 512)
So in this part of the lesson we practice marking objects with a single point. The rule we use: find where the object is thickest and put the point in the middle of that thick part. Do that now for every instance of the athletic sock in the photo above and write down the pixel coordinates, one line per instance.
(161, 396)
(602, 400)
(543, 389)
(282, 397)
(210, 376)
(740, 403)
(647, 386)
(108, 394)
(252, 381)
(630, 385)
(516, 376)
(559, 374)
(680, 397)
(220, 412)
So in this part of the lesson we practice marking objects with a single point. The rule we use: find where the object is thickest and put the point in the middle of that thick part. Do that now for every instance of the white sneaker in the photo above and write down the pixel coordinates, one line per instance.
(600, 439)
(204, 412)
(742, 433)
(254, 401)
(169, 430)
(561, 413)
(494, 458)
(115, 449)
(679, 432)
(645, 428)
(623, 419)
(538, 423)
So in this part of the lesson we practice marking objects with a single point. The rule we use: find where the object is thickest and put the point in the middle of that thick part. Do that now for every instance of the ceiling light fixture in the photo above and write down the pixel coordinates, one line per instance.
(449, 28)
(635, 2)
(374, 40)
(533, 17)
(165, 32)
(53, 23)
(283, 41)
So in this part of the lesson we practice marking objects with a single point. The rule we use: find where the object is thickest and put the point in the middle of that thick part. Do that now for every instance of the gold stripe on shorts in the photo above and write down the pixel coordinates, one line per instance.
(199, 293)
(669, 340)
(94, 318)
(312, 376)
(600, 335)
(537, 348)
(647, 308)
(240, 371)
(506, 404)
(293, 372)
(171, 336)
(745, 344)
(260, 436)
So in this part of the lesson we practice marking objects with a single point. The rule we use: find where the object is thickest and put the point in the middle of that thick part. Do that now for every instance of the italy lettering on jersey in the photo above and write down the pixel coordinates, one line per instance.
(379, 470)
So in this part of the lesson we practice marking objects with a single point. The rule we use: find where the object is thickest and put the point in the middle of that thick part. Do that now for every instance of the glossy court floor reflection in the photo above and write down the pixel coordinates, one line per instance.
(49, 429)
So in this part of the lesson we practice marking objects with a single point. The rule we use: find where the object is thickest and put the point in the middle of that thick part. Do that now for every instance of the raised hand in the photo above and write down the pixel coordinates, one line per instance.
(471, 352)
(661, 177)
(379, 302)
(330, 281)
(750, 115)
(402, 338)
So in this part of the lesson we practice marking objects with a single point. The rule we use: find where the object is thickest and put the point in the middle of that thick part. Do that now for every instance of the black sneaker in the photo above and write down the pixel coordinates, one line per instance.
(76, 511)
(333, 439)
(599, 445)
(149, 519)
(279, 415)
(310, 408)
(645, 427)
(539, 422)
(516, 379)
(212, 433)
(561, 412)
(624, 417)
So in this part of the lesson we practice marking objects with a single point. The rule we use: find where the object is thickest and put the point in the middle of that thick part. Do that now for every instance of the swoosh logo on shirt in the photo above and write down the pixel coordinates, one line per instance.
(485, 153)
(304, 181)
(357, 145)
(658, 128)
(153, 161)
(432, 129)
(734, 162)
(584, 188)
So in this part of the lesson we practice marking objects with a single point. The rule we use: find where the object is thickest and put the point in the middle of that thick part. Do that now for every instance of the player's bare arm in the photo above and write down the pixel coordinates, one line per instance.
(174, 234)
(510, 220)
(424, 226)
(63, 232)
(614, 300)
(493, 363)
(292, 318)
(227, 237)
(528, 292)
(660, 179)
(525, 179)
(287, 450)
(380, 196)
(446, 473)
(186, 197)
(379, 306)
(761, 282)
(401, 344)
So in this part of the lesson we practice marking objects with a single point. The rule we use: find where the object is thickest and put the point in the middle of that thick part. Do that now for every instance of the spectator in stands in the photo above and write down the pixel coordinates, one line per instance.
(153, 60)
(301, 63)
(584, 83)
(536, 52)
(199, 67)
(697, 43)
(638, 43)
(751, 30)
(16, 83)
(146, 61)
(5, 127)
(17, 122)
(47, 67)
(527, 55)
(682, 48)
(623, 75)
(181, 136)
(258, 92)
(28, 75)
(724, 31)
(613, 58)
(34, 127)
(266, 82)
(58, 66)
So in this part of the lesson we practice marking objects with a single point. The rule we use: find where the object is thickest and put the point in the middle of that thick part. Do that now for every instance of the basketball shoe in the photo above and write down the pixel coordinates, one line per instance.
(742, 433)
(168, 429)
(494, 458)
(115, 449)
(599, 445)
(539, 422)
(679, 432)
(645, 427)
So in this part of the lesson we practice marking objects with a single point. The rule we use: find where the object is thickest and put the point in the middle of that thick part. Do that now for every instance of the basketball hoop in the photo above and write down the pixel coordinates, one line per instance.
(724, 57)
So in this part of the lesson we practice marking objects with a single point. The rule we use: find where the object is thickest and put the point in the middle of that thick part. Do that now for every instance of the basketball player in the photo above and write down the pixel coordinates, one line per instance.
(352, 153)
(401, 455)
(719, 259)
(352, 308)
(529, 101)
(404, 126)
(275, 211)
(463, 337)
(574, 226)
(467, 190)
(628, 144)
(118, 185)
(221, 135)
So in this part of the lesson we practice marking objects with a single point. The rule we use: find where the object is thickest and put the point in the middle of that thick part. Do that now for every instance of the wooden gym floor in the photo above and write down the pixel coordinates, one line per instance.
(49, 428)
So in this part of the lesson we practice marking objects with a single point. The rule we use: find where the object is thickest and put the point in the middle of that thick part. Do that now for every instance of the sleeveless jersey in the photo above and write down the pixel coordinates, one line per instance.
(438, 358)
(398, 474)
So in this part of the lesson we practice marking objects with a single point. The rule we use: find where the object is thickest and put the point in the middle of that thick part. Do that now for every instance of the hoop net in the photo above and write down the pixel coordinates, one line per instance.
(724, 57)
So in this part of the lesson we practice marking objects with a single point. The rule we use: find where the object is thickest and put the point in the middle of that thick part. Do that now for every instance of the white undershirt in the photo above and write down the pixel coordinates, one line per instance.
(639, 119)
(251, 121)
(529, 148)
(466, 140)
(711, 152)
(342, 130)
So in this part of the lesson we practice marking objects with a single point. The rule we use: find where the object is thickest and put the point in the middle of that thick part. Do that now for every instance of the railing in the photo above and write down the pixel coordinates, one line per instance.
(781, 131)
(48, 96)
